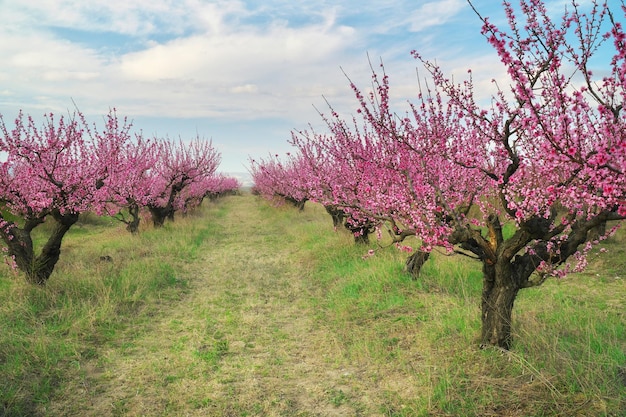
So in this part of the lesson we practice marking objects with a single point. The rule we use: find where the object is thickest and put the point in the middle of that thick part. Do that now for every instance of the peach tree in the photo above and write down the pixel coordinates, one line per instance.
(179, 167)
(51, 174)
(544, 157)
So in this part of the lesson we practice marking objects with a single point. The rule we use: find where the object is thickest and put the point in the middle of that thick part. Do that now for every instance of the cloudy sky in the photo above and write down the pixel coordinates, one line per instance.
(243, 73)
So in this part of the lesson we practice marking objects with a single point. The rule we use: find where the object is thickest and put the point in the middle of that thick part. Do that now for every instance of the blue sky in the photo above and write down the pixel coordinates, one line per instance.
(242, 73)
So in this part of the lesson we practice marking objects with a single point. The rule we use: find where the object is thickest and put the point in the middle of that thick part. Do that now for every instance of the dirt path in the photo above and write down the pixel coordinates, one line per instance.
(243, 342)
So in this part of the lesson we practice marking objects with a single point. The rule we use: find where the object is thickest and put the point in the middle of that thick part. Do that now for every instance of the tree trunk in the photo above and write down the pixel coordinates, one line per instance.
(360, 230)
(299, 204)
(336, 214)
(20, 247)
(133, 225)
(159, 214)
(39, 268)
(499, 292)
(415, 262)
(360, 233)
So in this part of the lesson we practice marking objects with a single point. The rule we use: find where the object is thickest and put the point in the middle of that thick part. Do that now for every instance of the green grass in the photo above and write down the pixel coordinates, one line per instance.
(569, 356)
(245, 309)
(45, 333)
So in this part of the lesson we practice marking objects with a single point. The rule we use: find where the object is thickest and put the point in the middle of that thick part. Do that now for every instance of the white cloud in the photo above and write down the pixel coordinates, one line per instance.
(201, 73)
(243, 89)
(32, 54)
(235, 55)
(435, 13)
(137, 17)
(226, 60)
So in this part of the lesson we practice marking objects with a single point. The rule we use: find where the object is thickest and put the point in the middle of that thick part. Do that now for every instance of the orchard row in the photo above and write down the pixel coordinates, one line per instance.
(543, 158)
(67, 167)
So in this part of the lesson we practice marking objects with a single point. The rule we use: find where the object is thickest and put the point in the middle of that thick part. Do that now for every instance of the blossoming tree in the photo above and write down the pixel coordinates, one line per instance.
(212, 187)
(220, 185)
(177, 166)
(128, 184)
(553, 146)
(314, 173)
(52, 174)
(279, 180)
(545, 158)
(342, 169)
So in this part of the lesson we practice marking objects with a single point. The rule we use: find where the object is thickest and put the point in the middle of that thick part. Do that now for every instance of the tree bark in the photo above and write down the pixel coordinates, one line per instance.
(159, 214)
(597, 232)
(360, 230)
(336, 214)
(299, 204)
(133, 225)
(500, 289)
(20, 244)
(415, 262)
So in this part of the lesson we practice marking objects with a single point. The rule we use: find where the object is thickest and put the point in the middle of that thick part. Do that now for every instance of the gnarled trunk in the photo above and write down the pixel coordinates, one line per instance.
(159, 214)
(415, 262)
(360, 229)
(299, 204)
(133, 224)
(337, 215)
(500, 289)
(20, 244)
(508, 265)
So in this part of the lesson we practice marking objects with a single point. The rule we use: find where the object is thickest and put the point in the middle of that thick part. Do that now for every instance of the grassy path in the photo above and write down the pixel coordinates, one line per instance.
(242, 342)
(249, 310)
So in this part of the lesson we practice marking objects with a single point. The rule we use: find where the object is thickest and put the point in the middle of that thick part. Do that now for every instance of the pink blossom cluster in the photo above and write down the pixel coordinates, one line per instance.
(68, 166)
(181, 174)
(546, 155)
(71, 166)
(279, 180)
